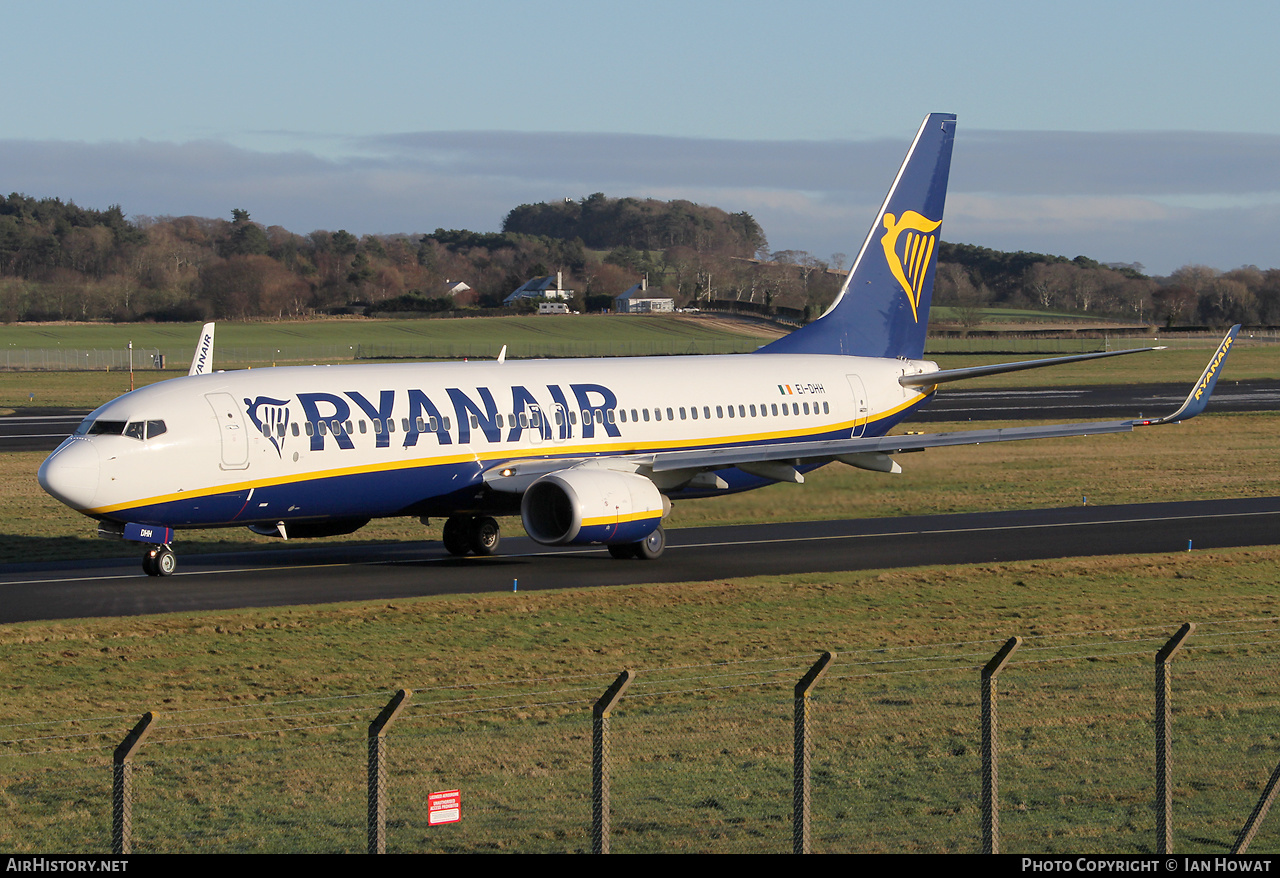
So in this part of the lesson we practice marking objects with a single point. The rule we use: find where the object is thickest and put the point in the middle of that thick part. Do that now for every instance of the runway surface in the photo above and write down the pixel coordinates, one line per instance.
(321, 574)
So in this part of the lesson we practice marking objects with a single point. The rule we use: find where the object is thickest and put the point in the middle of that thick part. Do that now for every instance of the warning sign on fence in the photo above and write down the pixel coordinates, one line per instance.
(444, 807)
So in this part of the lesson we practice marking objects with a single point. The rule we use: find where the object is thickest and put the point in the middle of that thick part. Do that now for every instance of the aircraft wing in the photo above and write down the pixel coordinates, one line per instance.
(789, 454)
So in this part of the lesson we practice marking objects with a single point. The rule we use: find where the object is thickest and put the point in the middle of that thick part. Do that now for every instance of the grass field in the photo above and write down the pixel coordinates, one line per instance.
(357, 331)
(259, 744)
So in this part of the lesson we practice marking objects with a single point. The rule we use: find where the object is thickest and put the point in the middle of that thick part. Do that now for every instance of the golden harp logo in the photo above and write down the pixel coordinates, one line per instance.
(908, 246)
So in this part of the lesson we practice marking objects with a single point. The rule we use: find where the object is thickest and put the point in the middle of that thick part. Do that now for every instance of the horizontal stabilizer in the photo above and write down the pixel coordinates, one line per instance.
(927, 379)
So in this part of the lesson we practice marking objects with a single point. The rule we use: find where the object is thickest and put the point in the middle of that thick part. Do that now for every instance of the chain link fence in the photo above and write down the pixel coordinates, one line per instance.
(699, 759)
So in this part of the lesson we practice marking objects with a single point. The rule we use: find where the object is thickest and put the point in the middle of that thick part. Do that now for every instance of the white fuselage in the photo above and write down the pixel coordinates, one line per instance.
(349, 442)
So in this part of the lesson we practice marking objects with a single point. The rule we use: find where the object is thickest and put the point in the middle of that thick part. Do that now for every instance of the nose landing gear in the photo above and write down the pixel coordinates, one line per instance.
(159, 561)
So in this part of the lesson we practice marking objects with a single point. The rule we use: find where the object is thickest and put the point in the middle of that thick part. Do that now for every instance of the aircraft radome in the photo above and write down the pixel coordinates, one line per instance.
(585, 451)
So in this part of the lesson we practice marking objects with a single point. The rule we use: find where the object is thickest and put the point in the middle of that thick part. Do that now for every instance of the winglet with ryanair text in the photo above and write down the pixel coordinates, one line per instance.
(202, 359)
(1203, 389)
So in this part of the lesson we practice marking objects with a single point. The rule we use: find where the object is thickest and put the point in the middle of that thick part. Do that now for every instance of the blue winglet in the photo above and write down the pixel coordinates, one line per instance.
(1198, 398)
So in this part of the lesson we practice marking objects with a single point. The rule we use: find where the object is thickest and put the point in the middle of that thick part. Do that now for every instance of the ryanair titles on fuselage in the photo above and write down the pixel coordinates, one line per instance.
(556, 413)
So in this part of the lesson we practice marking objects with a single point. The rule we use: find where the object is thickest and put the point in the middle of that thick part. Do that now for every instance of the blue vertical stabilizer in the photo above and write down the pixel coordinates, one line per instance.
(883, 308)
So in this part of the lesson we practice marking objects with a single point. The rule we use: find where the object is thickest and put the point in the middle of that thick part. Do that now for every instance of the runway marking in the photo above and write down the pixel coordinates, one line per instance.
(960, 530)
(670, 547)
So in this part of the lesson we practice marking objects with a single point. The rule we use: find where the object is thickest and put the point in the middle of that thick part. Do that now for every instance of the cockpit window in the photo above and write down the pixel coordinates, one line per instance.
(102, 427)
(133, 429)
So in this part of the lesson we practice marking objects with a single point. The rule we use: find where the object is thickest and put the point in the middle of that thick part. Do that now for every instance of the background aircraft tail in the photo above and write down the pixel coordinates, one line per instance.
(883, 307)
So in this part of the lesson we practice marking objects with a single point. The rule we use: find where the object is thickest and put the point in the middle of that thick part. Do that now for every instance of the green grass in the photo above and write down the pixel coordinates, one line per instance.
(945, 314)
(352, 332)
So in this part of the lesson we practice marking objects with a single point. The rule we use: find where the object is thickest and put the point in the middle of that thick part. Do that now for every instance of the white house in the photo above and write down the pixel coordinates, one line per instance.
(638, 301)
(549, 287)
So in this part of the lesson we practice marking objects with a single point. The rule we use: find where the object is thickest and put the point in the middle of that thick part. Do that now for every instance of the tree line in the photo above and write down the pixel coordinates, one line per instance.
(59, 261)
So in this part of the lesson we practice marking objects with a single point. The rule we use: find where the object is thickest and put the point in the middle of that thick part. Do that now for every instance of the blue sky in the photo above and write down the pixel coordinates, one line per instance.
(1129, 132)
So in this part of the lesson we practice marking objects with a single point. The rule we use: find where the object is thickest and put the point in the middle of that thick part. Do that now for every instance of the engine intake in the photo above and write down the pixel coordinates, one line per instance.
(578, 506)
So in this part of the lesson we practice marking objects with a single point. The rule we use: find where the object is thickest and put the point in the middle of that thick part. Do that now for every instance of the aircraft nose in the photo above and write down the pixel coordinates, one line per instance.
(71, 473)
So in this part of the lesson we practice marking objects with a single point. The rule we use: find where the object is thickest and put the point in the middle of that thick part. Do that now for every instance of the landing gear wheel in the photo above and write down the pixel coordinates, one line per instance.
(159, 561)
(652, 546)
(485, 536)
(622, 551)
(166, 562)
(457, 540)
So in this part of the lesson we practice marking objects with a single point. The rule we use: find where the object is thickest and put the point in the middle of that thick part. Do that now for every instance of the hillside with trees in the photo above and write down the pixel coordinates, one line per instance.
(59, 261)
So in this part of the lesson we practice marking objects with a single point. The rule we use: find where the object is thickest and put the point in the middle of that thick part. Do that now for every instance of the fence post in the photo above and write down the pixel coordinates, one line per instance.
(1164, 743)
(378, 770)
(800, 757)
(1259, 814)
(122, 786)
(602, 761)
(990, 751)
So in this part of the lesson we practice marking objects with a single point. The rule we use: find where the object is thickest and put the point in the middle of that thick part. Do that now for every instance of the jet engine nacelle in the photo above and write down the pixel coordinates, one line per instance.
(577, 506)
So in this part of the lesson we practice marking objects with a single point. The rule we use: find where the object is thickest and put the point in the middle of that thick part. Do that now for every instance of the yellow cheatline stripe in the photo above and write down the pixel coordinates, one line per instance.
(619, 519)
(549, 449)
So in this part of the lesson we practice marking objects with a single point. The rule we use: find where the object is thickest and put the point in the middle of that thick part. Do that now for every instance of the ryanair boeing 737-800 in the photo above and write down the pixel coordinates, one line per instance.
(585, 451)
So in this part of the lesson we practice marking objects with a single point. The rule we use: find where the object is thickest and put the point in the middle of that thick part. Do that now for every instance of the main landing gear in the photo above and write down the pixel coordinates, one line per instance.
(464, 534)
(647, 549)
(159, 561)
